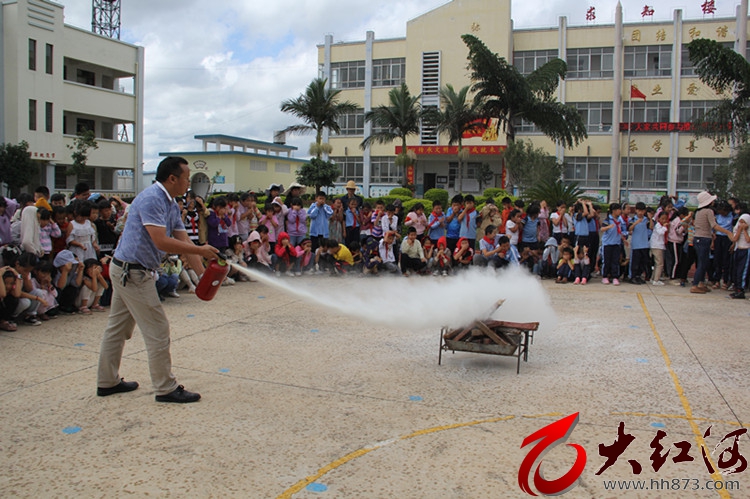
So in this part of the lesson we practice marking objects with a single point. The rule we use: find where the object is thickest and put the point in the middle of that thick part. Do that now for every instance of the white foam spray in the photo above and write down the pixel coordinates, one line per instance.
(425, 302)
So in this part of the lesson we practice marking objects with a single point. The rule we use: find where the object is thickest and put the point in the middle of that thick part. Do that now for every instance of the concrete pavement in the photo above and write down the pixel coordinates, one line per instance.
(299, 402)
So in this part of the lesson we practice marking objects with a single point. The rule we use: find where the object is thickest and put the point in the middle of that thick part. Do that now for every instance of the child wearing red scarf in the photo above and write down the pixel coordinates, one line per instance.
(296, 220)
(436, 222)
(443, 257)
(464, 254)
(468, 221)
(488, 249)
(285, 255)
(352, 223)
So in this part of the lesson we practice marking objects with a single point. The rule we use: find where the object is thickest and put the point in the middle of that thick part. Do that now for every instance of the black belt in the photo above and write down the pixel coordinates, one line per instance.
(133, 266)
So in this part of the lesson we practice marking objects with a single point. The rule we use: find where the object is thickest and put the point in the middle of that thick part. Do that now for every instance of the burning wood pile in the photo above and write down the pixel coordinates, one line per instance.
(490, 336)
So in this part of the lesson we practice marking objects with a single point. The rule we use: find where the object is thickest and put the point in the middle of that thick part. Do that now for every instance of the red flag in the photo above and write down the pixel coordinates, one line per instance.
(636, 94)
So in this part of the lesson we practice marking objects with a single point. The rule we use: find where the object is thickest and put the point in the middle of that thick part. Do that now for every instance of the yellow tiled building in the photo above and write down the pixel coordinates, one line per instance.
(653, 155)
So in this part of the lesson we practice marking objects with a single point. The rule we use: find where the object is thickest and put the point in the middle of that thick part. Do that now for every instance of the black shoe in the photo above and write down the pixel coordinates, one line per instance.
(122, 387)
(739, 295)
(180, 396)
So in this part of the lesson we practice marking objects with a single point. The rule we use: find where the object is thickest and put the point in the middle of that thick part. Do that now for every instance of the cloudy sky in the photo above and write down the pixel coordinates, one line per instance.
(224, 66)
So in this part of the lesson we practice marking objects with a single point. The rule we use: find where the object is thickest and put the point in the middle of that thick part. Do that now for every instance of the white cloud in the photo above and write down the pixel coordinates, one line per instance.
(225, 66)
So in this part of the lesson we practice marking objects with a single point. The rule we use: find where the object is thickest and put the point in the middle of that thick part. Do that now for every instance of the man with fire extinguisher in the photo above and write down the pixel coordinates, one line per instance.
(154, 227)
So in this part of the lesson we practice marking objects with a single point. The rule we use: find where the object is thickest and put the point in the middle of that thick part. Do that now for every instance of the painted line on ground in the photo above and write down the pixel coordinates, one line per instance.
(288, 493)
(681, 393)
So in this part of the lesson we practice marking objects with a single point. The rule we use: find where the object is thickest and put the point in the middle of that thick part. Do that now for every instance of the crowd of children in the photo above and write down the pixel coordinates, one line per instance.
(56, 253)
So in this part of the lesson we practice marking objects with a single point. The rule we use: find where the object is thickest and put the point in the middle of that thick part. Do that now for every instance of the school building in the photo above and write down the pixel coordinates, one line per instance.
(59, 80)
(232, 164)
(634, 155)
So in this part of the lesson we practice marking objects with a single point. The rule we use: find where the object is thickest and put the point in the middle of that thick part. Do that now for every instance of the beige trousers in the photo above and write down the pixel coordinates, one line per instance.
(136, 303)
(658, 255)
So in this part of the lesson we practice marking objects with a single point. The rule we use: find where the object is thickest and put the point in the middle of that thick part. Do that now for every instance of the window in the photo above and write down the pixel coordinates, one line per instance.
(282, 168)
(32, 54)
(696, 173)
(520, 125)
(383, 169)
(106, 178)
(48, 59)
(85, 77)
(48, 116)
(88, 175)
(83, 125)
(108, 130)
(591, 63)
(469, 172)
(687, 66)
(352, 124)
(108, 82)
(596, 115)
(646, 112)
(388, 72)
(694, 109)
(644, 173)
(32, 114)
(528, 61)
(61, 180)
(348, 74)
(352, 168)
(258, 166)
(588, 172)
(649, 60)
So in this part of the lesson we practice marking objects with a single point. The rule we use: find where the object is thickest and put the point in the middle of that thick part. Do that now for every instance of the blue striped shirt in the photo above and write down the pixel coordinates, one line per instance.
(154, 206)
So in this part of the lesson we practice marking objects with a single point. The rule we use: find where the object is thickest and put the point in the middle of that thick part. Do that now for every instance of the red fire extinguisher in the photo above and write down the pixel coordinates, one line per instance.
(212, 278)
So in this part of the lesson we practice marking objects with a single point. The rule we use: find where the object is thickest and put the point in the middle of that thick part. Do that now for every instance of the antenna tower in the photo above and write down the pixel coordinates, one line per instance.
(105, 17)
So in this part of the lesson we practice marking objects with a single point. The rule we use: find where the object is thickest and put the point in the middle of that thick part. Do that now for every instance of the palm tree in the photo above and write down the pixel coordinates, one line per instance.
(319, 109)
(397, 120)
(504, 93)
(723, 69)
(457, 117)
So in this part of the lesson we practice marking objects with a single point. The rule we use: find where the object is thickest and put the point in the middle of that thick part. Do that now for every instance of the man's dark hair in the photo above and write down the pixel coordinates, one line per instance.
(505, 200)
(437, 203)
(219, 202)
(43, 190)
(468, 197)
(27, 260)
(567, 250)
(262, 229)
(411, 229)
(247, 195)
(296, 202)
(44, 214)
(103, 204)
(320, 193)
(58, 209)
(489, 229)
(23, 199)
(58, 196)
(80, 188)
(503, 240)
(458, 198)
(640, 205)
(519, 203)
(171, 165)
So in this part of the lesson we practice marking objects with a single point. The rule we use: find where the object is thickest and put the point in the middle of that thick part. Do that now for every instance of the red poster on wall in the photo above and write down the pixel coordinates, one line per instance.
(410, 174)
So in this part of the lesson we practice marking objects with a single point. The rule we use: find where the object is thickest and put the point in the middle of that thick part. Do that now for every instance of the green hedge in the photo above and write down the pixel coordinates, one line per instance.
(437, 195)
(401, 191)
(496, 192)
(409, 205)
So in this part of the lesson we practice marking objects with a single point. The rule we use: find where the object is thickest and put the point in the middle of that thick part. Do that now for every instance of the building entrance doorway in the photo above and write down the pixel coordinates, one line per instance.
(429, 181)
